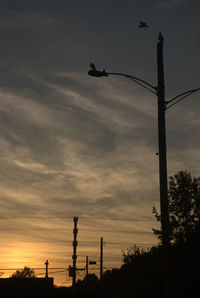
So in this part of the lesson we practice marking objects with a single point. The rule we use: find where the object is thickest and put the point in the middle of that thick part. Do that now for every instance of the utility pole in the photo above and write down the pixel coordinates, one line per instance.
(47, 264)
(101, 258)
(73, 269)
(74, 257)
(165, 226)
(162, 146)
(86, 265)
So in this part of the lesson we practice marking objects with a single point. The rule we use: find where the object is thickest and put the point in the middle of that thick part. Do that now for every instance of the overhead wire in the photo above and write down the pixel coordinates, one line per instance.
(70, 217)
(55, 272)
(130, 243)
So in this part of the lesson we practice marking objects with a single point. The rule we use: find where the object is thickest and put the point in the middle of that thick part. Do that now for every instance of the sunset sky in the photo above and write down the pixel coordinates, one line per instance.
(74, 145)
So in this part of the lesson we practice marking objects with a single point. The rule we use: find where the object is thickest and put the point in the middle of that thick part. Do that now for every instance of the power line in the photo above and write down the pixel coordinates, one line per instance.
(34, 268)
(55, 272)
(130, 243)
(116, 231)
(63, 241)
(112, 218)
(96, 230)
(68, 217)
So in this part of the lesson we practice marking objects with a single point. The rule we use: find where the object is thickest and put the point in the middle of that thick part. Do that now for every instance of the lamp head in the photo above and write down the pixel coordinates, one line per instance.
(96, 73)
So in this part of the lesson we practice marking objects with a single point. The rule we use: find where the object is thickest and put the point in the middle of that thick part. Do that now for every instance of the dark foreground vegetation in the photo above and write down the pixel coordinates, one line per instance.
(141, 275)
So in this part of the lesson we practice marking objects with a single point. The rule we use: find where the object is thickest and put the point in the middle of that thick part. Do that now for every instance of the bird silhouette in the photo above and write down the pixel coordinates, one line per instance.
(92, 66)
(143, 25)
(160, 37)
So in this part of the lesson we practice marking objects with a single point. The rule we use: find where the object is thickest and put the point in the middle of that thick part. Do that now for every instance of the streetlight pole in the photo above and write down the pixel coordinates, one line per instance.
(159, 91)
(162, 147)
(165, 227)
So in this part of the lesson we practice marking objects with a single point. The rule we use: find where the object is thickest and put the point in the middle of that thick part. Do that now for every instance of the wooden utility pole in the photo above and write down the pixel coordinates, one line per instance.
(74, 257)
(47, 264)
(86, 265)
(162, 147)
(164, 208)
(101, 258)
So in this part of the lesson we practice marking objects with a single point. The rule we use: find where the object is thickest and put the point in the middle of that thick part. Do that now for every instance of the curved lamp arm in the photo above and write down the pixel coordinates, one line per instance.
(137, 80)
(180, 97)
(98, 73)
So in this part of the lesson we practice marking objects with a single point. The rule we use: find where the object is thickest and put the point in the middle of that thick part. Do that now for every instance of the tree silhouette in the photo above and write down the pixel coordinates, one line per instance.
(90, 280)
(184, 207)
(26, 272)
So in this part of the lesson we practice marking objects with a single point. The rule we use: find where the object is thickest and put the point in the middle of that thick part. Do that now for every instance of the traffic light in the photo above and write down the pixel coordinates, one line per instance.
(70, 271)
(92, 262)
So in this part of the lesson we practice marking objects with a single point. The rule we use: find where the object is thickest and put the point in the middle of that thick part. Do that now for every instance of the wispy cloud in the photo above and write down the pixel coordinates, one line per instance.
(11, 19)
(74, 156)
(169, 3)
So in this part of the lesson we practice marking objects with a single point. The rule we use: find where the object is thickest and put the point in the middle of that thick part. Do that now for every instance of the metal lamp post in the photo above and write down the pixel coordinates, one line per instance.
(163, 105)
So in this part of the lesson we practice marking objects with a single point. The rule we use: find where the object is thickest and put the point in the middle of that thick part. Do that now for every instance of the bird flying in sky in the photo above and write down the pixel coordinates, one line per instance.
(143, 25)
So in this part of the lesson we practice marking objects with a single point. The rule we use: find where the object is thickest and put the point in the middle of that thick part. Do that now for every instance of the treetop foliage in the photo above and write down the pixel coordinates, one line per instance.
(26, 272)
(184, 207)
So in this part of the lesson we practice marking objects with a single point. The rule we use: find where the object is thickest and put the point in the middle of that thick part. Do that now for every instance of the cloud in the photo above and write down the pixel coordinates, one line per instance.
(75, 149)
(169, 3)
(90, 148)
(13, 19)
